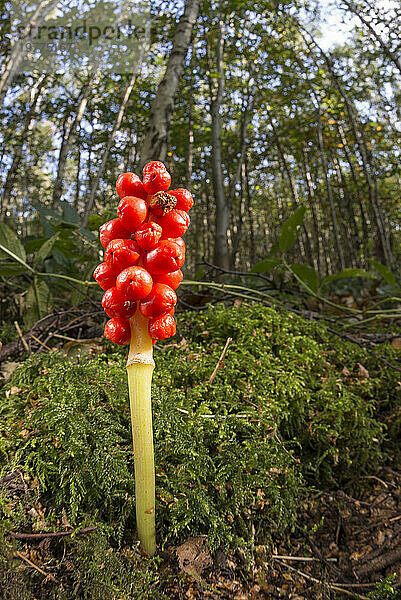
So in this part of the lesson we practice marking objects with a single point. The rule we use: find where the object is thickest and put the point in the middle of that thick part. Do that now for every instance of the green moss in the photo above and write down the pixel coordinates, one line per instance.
(232, 457)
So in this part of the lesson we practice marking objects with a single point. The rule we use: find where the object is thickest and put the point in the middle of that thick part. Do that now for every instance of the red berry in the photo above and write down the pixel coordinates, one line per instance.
(184, 199)
(118, 331)
(160, 300)
(156, 178)
(105, 276)
(172, 279)
(162, 327)
(174, 223)
(166, 257)
(132, 212)
(115, 304)
(129, 184)
(112, 230)
(180, 242)
(148, 234)
(135, 283)
(121, 254)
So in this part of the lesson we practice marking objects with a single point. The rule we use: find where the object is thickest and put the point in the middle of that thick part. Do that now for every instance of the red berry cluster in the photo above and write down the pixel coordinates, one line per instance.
(144, 253)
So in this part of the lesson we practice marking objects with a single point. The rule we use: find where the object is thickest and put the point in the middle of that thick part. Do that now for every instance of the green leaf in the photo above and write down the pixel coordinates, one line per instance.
(289, 230)
(10, 244)
(307, 274)
(268, 264)
(385, 272)
(11, 269)
(70, 215)
(38, 301)
(44, 250)
(348, 273)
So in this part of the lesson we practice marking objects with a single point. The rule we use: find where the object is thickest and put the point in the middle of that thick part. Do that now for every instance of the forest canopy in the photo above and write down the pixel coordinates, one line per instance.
(268, 115)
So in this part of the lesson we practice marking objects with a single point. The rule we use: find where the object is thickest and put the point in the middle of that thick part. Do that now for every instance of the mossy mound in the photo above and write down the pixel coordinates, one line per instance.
(291, 408)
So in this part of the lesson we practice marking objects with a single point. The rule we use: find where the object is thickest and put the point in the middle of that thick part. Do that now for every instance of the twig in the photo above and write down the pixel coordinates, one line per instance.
(301, 558)
(379, 563)
(220, 361)
(355, 501)
(41, 536)
(23, 340)
(39, 342)
(332, 586)
(26, 559)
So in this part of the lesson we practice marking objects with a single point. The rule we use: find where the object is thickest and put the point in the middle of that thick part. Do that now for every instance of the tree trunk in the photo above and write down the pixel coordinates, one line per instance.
(27, 126)
(155, 143)
(66, 143)
(357, 129)
(111, 138)
(329, 190)
(221, 257)
(312, 204)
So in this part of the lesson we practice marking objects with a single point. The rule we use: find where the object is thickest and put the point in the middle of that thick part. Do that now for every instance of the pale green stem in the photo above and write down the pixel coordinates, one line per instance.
(140, 367)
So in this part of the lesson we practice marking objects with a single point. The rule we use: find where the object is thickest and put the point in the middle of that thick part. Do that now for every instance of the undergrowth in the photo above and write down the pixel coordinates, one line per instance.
(292, 409)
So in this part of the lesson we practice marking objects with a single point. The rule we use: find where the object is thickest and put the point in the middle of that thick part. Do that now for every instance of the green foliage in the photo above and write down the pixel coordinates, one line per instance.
(290, 229)
(385, 591)
(230, 453)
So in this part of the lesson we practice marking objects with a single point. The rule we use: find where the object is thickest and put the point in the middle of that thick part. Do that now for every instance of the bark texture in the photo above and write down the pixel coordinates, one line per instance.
(157, 135)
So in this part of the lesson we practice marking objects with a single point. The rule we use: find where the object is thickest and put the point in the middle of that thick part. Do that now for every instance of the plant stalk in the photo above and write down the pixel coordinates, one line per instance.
(140, 367)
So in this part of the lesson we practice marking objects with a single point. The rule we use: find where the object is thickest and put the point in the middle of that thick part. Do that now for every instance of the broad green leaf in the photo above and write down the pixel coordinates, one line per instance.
(348, 273)
(307, 274)
(33, 244)
(11, 246)
(44, 250)
(70, 215)
(289, 230)
(385, 272)
(268, 264)
(38, 301)
(11, 269)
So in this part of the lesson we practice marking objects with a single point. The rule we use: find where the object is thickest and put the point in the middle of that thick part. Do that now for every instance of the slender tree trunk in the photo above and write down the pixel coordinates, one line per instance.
(305, 247)
(329, 190)
(67, 141)
(347, 151)
(190, 142)
(349, 224)
(111, 138)
(312, 204)
(359, 138)
(251, 217)
(26, 128)
(221, 256)
(155, 143)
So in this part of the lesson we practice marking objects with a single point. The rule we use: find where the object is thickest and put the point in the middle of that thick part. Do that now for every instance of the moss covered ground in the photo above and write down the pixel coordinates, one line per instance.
(294, 409)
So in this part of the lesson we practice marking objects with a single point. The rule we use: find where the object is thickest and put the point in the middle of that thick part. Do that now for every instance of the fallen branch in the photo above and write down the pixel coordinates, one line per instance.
(41, 536)
(379, 563)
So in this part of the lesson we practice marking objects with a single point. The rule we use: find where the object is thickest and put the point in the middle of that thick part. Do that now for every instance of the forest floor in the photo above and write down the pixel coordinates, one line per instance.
(346, 532)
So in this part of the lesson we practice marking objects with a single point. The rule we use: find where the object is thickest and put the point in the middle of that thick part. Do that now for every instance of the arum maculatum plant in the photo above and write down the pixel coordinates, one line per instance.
(144, 253)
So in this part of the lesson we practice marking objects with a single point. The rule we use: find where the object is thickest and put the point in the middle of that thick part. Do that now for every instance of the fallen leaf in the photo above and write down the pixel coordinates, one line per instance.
(194, 556)
(362, 372)
(346, 372)
(8, 368)
(396, 343)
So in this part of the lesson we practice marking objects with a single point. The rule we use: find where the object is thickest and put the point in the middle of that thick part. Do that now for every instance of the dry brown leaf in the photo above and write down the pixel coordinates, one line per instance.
(194, 556)
(362, 372)
(396, 343)
(346, 372)
(8, 368)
